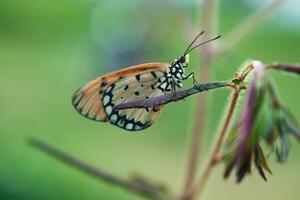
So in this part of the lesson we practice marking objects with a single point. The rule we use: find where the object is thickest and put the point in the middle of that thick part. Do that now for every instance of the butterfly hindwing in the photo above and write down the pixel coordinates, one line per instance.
(89, 99)
(131, 88)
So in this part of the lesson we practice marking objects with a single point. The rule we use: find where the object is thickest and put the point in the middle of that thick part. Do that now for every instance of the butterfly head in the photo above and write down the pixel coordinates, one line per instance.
(184, 60)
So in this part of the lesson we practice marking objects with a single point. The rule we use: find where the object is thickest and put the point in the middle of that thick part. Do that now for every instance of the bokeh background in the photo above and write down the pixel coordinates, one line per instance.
(48, 49)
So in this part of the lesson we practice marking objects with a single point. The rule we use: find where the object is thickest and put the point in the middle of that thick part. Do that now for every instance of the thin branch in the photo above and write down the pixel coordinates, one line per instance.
(250, 24)
(208, 19)
(174, 96)
(238, 80)
(215, 158)
(138, 186)
(286, 67)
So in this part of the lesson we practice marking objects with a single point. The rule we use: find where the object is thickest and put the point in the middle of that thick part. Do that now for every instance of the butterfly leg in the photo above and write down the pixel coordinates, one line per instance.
(192, 75)
(173, 84)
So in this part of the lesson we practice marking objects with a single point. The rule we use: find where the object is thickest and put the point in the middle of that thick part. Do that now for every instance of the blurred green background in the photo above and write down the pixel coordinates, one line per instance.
(48, 49)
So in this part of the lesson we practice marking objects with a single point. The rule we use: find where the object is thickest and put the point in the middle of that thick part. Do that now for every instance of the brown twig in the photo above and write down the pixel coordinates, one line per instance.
(291, 68)
(245, 28)
(214, 159)
(207, 54)
(138, 186)
(239, 78)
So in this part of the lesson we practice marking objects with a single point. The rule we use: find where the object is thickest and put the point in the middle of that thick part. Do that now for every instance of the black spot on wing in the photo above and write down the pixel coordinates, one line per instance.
(154, 74)
(155, 109)
(138, 77)
(104, 83)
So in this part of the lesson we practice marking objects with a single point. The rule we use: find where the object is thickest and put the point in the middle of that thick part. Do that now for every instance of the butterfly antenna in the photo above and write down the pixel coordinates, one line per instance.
(194, 40)
(198, 45)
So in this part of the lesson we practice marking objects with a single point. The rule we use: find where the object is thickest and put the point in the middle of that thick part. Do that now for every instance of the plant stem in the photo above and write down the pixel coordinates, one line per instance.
(197, 190)
(216, 153)
(142, 188)
(291, 68)
(207, 54)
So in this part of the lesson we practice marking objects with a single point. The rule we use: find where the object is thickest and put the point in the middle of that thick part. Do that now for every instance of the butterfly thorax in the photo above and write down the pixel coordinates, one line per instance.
(172, 77)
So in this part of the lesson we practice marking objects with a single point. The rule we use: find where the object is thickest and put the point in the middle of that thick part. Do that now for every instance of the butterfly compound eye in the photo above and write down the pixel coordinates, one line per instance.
(181, 59)
(184, 60)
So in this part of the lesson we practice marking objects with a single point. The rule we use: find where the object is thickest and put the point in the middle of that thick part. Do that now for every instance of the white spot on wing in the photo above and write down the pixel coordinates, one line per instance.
(108, 89)
(129, 126)
(106, 100)
(162, 79)
(137, 127)
(108, 110)
(113, 118)
(163, 85)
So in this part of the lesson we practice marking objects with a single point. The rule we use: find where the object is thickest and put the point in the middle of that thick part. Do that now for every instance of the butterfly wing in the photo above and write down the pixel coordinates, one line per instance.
(96, 99)
(140, 86)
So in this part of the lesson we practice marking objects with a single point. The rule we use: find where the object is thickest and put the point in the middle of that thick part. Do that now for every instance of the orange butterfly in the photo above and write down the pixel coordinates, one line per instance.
(96, 99)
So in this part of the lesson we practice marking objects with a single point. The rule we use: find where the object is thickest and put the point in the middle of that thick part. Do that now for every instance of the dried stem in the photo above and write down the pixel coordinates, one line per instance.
(245, 28)
(215, 158)
(291, 68)
(239, 78)
(138, 186)
(207, 54)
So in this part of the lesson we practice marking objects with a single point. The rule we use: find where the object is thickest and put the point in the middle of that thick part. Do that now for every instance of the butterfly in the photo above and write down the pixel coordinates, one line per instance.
(96, 99)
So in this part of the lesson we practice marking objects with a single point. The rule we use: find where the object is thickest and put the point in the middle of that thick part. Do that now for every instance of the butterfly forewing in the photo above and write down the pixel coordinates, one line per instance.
(95, 100)
(87, 100)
